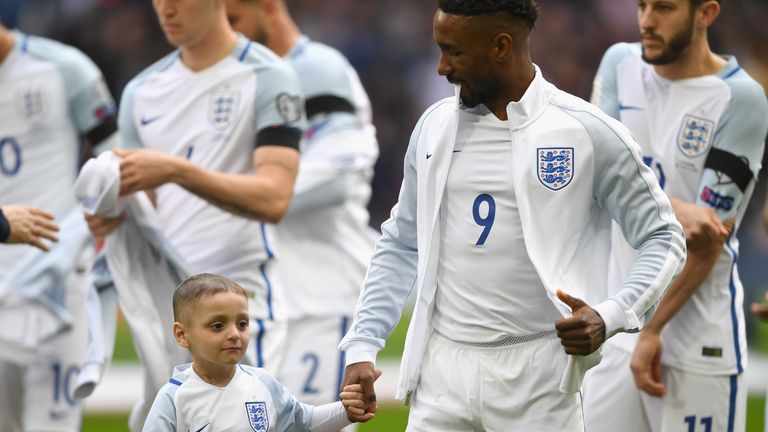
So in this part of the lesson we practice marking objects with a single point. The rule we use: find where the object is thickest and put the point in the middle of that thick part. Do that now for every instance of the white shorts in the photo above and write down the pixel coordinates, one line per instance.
(313, 367)
(40, 397)
(502, 389)
(694, 402)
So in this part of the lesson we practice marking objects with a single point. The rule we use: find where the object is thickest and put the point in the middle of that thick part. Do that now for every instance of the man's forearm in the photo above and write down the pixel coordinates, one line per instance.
(264, 196)
(697, 269)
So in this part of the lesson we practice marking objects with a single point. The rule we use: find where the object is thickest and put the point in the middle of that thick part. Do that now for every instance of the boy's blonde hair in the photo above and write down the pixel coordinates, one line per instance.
(197, 287)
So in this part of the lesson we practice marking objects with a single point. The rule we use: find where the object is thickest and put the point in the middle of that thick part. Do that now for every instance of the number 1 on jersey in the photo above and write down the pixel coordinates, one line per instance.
(487, 221)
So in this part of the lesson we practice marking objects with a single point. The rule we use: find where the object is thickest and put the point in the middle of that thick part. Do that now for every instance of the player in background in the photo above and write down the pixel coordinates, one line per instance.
(52, 97)
(25, 224)
(214, 392)
(504, 214)
(325, 241)
(212, 132)
(701, 122)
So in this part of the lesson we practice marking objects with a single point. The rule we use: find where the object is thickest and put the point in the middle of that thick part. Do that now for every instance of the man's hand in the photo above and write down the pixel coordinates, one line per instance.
(584, 331)
(354, 400)
(761, 309)
(701, 225)
(646, 364)
(365, 375)
(30, 225)
(101, 226)
(144, 169)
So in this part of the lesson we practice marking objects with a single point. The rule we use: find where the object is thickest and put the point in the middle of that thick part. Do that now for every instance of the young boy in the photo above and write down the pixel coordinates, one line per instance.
(214, 393)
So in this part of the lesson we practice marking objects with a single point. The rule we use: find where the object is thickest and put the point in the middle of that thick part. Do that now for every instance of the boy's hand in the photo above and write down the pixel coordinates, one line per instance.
(354, 401)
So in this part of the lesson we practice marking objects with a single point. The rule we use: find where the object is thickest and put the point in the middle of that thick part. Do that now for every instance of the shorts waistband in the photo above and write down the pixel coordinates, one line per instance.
(507, 341)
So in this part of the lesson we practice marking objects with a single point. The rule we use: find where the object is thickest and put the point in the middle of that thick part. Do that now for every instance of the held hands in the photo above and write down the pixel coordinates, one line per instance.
(358, 395)
(584, 331)
(646, 364)
(30, 225)
(761, 309)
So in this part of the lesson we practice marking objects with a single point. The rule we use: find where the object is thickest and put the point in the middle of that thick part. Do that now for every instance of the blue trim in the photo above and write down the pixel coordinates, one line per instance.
(342, 354)
(175, 382)
(244, 369)
(732, 73)
(245, 51)
(25, 43)
(732, 402)
(734, 321)
(263, 269)
(270, 254)
(259, 343)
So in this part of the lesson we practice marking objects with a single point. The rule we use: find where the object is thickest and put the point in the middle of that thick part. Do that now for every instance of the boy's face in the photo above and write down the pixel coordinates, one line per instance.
(215, 329)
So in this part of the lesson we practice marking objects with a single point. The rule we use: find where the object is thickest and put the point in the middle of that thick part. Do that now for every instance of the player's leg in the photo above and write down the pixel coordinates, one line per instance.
(520, 388)
(703, 403)
(447, 394)
(11, 386)
(49, 404)
(611, 400)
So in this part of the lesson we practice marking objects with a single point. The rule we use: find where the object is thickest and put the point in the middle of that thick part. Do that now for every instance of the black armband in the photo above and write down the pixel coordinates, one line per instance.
(103, 131)
(5, 227)
(284, 136)
(326, 104)
(731, 165)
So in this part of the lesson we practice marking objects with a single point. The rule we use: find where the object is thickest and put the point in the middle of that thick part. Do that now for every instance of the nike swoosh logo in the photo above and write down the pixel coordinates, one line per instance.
(456, 151)
(146, 121)
(429, 155)
(200, 428)
(629, 107)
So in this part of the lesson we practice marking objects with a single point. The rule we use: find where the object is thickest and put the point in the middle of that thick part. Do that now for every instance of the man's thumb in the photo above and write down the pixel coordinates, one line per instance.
(573, 302)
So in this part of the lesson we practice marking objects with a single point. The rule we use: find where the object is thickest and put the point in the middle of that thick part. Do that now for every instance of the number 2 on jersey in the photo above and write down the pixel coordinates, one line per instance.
(10, 156)
(487, 221)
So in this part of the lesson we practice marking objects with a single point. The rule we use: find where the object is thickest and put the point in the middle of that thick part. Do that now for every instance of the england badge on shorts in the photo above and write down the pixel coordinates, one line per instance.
(222, 108)
(695, 135)
(554, 166)
(32, 104)
(257, 416)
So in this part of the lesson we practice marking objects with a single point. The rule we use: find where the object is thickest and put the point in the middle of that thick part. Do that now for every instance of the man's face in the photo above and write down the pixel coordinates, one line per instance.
(466, 57)
(666, 27)
(185, 22)
(248, 17)
(216, 329)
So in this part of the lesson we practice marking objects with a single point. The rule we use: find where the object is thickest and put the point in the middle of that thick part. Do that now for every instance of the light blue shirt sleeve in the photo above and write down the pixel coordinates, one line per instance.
(322, 70)
(292, 415)
(162, 415)
(605, 92)
(741, 132)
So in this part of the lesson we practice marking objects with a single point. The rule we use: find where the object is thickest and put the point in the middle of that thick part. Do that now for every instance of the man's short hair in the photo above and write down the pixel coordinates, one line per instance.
(526, 10)
(194, 288)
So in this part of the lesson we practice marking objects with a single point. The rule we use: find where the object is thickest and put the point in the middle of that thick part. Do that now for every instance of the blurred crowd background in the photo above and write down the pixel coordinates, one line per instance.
(390, 44)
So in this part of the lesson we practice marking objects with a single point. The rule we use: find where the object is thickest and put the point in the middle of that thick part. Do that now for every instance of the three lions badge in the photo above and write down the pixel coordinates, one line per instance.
(554, 166)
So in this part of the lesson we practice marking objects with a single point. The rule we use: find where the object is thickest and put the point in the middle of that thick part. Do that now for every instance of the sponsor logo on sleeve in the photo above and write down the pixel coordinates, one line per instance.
(289, 107)
(716, 200)
(554, 166)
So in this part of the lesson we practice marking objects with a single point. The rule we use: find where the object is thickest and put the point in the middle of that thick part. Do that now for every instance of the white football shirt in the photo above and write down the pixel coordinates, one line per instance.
(704, 138)
(487, 287)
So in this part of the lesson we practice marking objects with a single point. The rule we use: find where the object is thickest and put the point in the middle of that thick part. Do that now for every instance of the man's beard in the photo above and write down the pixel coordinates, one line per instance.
(674, 48)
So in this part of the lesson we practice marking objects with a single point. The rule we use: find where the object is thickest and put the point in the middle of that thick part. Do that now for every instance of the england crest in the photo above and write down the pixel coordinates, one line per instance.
(257, 416)
(554, 166)
(32, 104)
(222, 108)
(695, 135)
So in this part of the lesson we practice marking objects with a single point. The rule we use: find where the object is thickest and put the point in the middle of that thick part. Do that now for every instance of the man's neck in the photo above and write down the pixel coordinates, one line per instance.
(521, 78)
(284, 35)
(698, 60)
(6, 43)
(216, 45)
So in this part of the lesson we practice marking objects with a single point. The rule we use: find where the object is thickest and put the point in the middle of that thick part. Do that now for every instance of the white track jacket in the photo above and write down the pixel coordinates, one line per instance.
(565, 216)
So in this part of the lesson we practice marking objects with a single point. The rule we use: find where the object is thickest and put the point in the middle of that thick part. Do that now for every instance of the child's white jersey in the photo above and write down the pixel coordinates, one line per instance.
(324, 252)
(704, 139)
(252, 401)
(213, 118)
(50, 96)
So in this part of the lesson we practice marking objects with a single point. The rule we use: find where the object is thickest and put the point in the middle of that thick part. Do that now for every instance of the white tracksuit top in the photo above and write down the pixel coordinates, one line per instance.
(565, 216)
